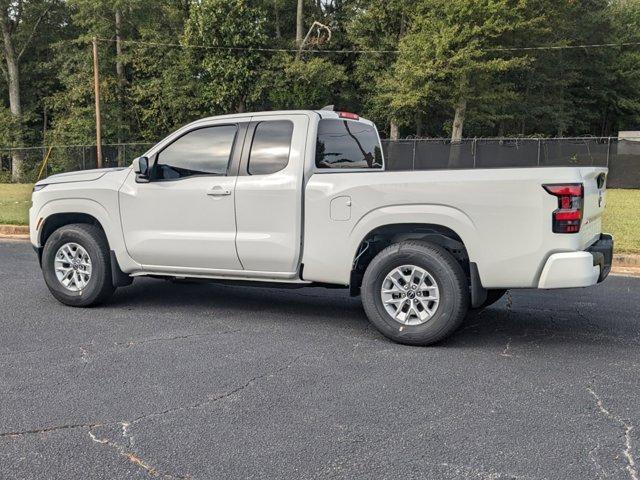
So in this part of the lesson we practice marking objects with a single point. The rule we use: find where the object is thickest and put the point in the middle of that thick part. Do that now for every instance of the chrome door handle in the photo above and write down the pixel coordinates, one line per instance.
(219, 191)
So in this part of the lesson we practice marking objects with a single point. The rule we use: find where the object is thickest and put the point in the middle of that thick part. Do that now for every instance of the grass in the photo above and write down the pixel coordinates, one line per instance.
(621, 217)
(15, 200)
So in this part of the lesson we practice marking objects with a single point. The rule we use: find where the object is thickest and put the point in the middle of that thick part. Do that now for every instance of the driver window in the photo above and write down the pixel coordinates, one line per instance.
(205, 151)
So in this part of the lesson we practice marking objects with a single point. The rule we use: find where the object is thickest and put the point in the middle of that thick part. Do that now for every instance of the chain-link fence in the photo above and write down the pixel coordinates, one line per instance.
(40, 162)
(621, 156)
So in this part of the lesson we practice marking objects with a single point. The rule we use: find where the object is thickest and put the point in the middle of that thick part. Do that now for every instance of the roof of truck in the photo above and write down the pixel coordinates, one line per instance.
(320, 113)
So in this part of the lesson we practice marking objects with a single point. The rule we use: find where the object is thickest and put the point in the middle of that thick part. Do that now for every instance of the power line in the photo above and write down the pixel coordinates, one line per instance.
(565, 47)
(247, 49)
(362, 51)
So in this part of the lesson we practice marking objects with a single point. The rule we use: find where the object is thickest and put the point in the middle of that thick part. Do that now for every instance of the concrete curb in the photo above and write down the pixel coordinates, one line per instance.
(624, 260)
(14, 230)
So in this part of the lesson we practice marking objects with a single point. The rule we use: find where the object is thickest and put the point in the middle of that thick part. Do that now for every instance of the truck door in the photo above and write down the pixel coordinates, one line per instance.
(268, 194)
(183, 219)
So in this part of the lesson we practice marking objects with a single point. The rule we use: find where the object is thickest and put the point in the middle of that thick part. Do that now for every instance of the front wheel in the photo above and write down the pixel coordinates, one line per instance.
(76, 265)
(415, 293)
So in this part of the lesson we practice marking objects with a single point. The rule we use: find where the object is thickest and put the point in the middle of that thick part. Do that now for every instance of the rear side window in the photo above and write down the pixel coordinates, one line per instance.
(347, 144)
(205, 151)
(270, 147)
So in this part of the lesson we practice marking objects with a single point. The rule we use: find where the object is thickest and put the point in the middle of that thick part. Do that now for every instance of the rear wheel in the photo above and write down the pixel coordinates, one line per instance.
(76, 265)
(415, 293)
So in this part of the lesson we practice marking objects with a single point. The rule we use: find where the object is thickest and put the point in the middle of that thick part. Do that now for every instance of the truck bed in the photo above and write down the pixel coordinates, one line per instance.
(503, 217)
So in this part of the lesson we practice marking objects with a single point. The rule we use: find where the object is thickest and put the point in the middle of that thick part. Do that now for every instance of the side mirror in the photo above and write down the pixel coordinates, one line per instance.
(141, 168)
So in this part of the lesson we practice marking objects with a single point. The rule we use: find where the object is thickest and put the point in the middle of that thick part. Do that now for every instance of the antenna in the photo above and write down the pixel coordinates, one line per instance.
(328, 107)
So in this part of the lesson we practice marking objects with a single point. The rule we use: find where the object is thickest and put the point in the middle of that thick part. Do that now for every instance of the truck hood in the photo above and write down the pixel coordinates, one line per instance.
(80, 176)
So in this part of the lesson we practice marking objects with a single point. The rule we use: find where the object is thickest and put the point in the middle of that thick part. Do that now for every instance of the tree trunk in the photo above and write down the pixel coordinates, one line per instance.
(299, 23)
(393, 130)
(456, 133)
(13, 85)
(458, 120)
(419, 124)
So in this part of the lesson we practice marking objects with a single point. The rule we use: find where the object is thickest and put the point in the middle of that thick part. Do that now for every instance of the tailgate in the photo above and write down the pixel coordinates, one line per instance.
(595, 185)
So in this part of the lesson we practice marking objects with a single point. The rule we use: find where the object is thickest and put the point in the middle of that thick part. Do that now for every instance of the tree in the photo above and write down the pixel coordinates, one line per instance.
(299, 84)
(449, 55)
(228, 77)
(621, 108)
(20, 23)
(379, 25)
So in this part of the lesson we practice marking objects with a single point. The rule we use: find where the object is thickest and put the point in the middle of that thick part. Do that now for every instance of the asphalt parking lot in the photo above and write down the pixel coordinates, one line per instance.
(210, 381)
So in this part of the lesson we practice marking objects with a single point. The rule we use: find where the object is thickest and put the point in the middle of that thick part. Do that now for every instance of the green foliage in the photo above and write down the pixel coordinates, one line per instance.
(300, 84)
(448, 50)
(448, 55)
(228, 80)
(9, 125)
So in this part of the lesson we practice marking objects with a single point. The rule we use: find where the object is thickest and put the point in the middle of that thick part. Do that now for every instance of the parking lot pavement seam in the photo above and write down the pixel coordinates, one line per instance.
(627, 427)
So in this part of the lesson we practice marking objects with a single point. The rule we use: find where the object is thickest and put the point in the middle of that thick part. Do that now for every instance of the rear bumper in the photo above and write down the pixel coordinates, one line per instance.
(579, 269)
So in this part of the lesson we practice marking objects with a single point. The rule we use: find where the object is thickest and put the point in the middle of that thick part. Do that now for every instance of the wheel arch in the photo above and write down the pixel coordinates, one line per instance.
(56, 220)
(58, 213)
(382, 236)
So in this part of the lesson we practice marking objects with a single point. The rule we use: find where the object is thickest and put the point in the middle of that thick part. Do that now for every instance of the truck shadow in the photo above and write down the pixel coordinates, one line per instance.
(280, 305)
(526, 324)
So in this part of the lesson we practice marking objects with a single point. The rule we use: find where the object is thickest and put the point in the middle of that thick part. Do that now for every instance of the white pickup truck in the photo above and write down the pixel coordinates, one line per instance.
(303, 198)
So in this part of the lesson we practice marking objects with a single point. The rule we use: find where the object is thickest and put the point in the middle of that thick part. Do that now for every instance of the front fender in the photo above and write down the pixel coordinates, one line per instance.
(110, 224)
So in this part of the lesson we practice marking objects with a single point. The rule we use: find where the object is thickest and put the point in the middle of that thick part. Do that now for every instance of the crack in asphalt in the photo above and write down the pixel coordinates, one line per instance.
(594, 459)
(84, 352)
(133, 343)
(467, 470)
(628, 428)
(507, 348)
(135, 459)
(55, 428)
(41, 350)
(125, 425)
(509, 303)
(217, 398)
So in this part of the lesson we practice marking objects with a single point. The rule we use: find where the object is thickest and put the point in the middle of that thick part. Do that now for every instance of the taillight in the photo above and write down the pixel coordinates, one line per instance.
(568, 216)
(349, 115)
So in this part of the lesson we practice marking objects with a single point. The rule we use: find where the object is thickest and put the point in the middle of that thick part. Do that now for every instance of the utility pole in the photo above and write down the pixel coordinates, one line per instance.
(120, 74)
(96, 86)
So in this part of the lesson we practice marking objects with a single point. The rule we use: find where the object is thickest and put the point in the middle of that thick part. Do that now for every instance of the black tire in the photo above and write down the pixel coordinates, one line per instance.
(92, 239)
(446, 271)
(493, 295)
